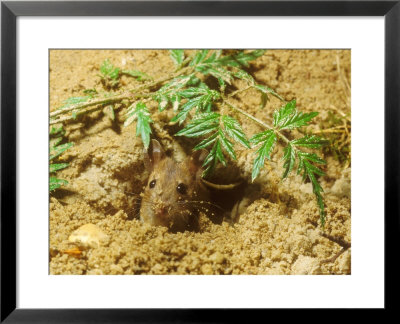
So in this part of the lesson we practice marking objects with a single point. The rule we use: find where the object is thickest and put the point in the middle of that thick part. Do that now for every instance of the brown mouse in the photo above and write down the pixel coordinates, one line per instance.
(174, 193)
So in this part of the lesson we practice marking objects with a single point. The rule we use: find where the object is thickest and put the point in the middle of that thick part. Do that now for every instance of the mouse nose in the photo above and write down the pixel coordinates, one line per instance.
(162, 210)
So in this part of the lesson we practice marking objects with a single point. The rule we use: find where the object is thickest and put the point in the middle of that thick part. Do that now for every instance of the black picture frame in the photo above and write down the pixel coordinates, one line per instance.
(9, 13)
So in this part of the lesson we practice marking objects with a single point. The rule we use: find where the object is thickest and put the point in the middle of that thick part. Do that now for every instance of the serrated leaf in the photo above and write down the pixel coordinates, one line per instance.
(73, 101)
(57, 166)
(108, 70)
(216, 71)
(203, 124)
(214, 65)
(289, 156)
(207, 123)
(177, 56)
(284, 113)
(185, 109)
(227, 144)
(222, 84)
(206, 142)
(199, 57)
(57, 130)
(55, 183)
(311, 157)
(312, 168)
(176, 84)
(59, 149)
(312, 141)
(219, 154)
(210, 157)
(196, 82)
(267, 140)
(213, 157)
(106, 67)
(210, 161)
(143, 128)
(260, 137)
(211, 58)
(169, 92)
(240, 59)
(55, 141)
(130, 115)
(297, 120)
(192, 92)
(287, 117)
(309, 170)
(201, 103)
(234, 130)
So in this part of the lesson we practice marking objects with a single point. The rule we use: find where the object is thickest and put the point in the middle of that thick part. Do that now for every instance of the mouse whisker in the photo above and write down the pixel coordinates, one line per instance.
(200, 204)
(135, 204)
(131, 193)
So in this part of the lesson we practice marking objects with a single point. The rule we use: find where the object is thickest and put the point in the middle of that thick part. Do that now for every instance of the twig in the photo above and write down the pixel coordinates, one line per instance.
(333, 259)
(81, 112)
(338, 240)
(92, 102)
(238, 91)
(69, 117)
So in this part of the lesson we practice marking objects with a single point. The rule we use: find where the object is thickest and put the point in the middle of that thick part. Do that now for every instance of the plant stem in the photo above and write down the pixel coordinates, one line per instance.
(130, 94)
(238, 91)
(89, 109)
(93, 102)
(185, 70)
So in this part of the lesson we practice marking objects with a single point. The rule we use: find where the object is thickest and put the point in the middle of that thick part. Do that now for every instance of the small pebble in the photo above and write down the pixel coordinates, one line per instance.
(344, 262)
(89, 236)
(306, 265)
(206, 269)
(217, 257)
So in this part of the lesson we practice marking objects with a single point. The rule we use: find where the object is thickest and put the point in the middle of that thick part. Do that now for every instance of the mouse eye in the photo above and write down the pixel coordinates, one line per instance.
(181, 188)
(152, 184)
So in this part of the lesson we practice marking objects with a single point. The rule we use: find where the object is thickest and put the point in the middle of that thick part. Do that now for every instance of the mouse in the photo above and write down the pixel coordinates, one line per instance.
(175, 193)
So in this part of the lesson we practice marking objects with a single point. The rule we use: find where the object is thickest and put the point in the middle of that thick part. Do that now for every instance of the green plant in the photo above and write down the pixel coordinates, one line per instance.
(207, 112)
(56, 149)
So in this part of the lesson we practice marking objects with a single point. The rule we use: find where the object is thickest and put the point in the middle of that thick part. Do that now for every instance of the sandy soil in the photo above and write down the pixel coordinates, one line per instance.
(276, 234)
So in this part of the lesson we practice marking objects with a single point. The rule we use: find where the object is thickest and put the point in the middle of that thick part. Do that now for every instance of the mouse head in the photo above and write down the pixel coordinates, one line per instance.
(172, 189)
(156, 155)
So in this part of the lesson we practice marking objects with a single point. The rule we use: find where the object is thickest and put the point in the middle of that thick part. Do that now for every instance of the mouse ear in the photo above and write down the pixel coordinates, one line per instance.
(153, 155)
(196, 160)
